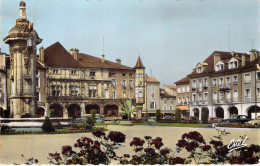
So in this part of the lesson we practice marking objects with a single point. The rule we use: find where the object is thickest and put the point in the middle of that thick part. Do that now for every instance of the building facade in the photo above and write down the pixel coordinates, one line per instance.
(226, 83)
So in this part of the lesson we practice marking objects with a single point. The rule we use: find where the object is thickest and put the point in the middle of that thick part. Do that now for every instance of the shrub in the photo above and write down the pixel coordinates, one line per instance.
(158, 115)
(93, 115)
(204, 115)
(47, 126)
(167, 121)
(5, 129)
(178, 115)
(90, 122)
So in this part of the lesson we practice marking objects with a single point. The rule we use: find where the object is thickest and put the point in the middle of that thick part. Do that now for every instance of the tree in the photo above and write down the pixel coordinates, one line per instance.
(52, 113)
(204, 115)
(158, 115)
(47, 126)
(128, 108)
(93, 115)
(178, 115)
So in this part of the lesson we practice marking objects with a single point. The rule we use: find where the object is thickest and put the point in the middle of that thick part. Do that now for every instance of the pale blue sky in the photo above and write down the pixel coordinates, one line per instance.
(171, 36)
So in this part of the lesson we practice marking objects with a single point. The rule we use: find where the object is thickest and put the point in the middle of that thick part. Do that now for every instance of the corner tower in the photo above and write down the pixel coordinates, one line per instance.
(22, 40)
(139, 86)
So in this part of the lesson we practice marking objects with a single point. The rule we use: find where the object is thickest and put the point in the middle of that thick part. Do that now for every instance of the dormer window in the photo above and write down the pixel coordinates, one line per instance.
(199, 70)
(233, 64)
(220, 66)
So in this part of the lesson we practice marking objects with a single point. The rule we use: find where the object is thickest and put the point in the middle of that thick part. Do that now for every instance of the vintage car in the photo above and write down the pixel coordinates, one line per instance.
(212, 120)
(236, 119)
(255, 122)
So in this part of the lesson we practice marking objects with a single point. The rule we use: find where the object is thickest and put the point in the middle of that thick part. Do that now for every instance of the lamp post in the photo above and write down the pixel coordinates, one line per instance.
(255, 56)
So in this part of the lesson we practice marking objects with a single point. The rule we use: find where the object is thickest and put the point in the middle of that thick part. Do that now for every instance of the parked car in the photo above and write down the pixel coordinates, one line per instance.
(214, 120)
(167, 117)
(255, 122)
(236, 119)
(191, 120)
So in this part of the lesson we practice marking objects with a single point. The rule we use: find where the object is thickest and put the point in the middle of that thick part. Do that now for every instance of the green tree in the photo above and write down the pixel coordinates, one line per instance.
(90, 123)
(178, 115)
(47, 126)
(158, 115)
(204, 115)
(93, 115)
(127, 108)
(52, 113)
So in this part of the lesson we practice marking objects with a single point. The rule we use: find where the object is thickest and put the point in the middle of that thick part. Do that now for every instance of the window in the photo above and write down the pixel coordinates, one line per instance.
(200, 98)
(215, 97)
(205, 82)
(124, 94)
(171, 107)
(106, 94)
(183, 89)
(37, 96)
(258, 92)
(131, 83)
(164, 107)
(247, 78)
(228, 96)
(220, 66)
(55, 71)
(37, 72)
(114, 94)
(194, 98)
(247, 93)
(92, 90)
(233, 65)
(123, 74)
(221, 83)
(187, 88)
(152, 94)
(74, 90)
(114, 83)
(193, 83)
(139, 75)
(179, 90)
(258, 76)
(55, 90)
(152, 105)
(138, 92)
(206, 97)
(37, 82)
(111, 74)
(130, 75)
(179, 100)
(124, 83)
(200, 83)
(92, 73)
(235, 95)
(73, 72)
(221, 96)
(188, 99)
(199, 70)
(214, 82)
(228, 82)
(183, 100)
(235, 79)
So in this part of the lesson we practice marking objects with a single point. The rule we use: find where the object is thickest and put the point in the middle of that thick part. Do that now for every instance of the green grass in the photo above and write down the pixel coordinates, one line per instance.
(162, 124)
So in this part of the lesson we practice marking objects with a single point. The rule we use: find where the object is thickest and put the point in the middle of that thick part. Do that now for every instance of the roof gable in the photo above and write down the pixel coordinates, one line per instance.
(139, 63)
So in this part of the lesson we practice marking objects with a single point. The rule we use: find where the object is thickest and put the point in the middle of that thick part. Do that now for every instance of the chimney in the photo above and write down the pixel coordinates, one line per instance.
(216, 59)
(243, 60)
(76, 54)
(41, 54)
(118, 61)
(253, 54)
(71, 51)
(103, 58)
(232, 54)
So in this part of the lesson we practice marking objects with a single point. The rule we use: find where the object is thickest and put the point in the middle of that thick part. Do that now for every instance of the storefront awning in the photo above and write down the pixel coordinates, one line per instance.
(183, 107)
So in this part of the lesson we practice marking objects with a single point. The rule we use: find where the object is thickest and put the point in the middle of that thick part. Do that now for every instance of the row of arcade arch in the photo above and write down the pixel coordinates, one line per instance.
(219, 111)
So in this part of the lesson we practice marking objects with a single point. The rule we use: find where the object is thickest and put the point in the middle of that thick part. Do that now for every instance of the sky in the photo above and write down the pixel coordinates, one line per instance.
(171, 36)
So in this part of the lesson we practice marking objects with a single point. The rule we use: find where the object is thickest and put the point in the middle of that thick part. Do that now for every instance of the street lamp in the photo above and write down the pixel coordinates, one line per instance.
(256, 67)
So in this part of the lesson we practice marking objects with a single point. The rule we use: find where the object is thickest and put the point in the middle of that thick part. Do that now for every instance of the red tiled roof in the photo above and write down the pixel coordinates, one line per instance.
(56, 55)
(150, 79)
(172, 87)
(139, 63)
(94, 62)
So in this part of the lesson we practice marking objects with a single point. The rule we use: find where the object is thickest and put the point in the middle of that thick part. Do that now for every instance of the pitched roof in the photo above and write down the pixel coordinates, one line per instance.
(150, 79)
(56, 55)
(139, 64)
(182, 81)
(172, 87)
(94, 62)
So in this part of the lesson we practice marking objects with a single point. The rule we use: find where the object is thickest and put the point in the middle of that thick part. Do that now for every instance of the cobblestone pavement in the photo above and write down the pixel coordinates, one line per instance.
(38, 146)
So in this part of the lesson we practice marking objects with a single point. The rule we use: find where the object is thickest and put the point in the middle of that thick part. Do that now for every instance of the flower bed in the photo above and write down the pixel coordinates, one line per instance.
(236, 125)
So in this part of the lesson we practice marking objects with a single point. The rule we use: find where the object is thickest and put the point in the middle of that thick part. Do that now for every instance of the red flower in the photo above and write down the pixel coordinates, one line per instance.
(137, 142)
(150, 151)
(138, 149)
(206, 147)
(157, 142)
(176, 160)
(67, 150)
(165, 151)
(216, 143)
(147, 137)
(181, 143)
(126, 156)
(116, 137)
(98, 133)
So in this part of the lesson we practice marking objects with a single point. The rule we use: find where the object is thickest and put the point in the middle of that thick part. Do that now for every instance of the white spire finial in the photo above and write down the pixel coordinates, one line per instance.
(22, 5)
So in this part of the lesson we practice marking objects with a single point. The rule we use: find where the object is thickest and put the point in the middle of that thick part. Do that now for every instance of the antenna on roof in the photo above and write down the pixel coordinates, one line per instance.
(103, 44)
